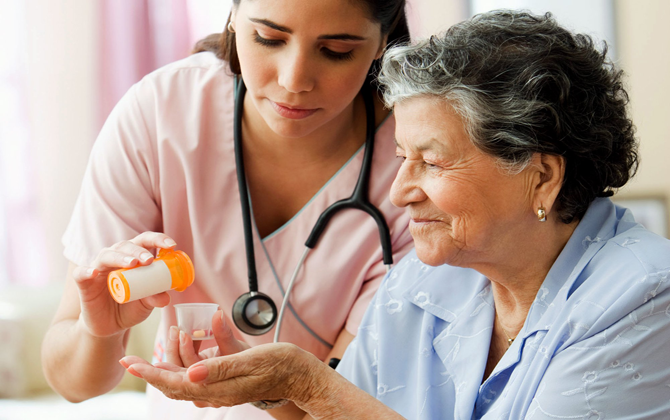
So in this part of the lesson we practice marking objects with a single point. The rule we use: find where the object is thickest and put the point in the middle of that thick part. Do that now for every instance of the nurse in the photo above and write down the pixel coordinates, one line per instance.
(162, 174)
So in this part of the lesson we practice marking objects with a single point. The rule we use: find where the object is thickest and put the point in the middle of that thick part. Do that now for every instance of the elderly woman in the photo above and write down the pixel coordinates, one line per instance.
(530, 294)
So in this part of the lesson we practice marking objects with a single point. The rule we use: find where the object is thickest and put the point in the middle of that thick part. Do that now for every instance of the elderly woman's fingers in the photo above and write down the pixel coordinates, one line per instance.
(129, 361)
(171, 381)
(224, 336)
(261, 360)
(265, 372)
(205, 404)
(169, 366)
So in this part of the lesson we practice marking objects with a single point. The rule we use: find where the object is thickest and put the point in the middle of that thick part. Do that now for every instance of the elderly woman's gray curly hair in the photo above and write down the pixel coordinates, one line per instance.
(524, 85)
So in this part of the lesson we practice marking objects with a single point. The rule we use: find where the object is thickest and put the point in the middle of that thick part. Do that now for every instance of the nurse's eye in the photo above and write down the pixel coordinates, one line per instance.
(337, 56)
(267, 42)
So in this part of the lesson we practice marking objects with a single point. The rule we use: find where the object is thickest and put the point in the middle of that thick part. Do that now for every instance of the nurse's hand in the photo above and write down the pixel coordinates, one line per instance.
(182, 351)
(102, 316)
(266, 372)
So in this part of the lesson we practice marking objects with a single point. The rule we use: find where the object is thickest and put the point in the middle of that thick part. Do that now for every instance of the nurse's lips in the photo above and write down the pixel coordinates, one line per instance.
(294, 113)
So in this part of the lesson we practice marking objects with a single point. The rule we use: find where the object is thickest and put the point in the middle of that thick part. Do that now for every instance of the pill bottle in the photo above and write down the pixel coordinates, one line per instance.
(171, 270)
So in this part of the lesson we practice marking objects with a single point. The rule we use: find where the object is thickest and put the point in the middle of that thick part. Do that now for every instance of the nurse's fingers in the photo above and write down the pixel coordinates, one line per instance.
(154, 240)
(224, 336)
(81, 273)
(141, 252)
(159, 300)
(110, 258)
(172, 347)
(188, 349)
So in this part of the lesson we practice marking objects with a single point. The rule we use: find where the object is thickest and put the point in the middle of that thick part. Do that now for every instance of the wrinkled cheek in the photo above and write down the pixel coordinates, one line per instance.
(457, 229)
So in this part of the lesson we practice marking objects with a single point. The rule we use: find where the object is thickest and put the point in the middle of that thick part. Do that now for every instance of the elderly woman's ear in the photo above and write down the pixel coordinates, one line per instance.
(548, 172)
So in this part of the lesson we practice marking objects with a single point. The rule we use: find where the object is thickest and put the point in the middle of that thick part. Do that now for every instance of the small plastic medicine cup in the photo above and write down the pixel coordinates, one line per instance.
(195, 319)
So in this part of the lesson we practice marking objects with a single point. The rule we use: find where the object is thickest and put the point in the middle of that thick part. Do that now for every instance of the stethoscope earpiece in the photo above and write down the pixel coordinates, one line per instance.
(254, 313)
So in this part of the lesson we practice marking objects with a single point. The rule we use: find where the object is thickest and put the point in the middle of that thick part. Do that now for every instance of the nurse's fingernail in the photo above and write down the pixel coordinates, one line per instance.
(174, 333)
(89, 272)
(197, 373)
(128, 260)
(124, 363)
(169, 242)
(134, 372)
(145, 256)
(182, 337)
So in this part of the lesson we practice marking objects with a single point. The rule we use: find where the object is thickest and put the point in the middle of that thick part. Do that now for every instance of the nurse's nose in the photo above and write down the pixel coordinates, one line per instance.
(406, 188)
(296, 74)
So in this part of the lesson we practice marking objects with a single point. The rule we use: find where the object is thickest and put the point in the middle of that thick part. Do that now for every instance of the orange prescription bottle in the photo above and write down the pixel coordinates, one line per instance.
(171, 270)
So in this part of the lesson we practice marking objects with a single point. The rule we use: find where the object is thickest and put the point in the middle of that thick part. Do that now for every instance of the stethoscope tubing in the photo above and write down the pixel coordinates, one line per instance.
(358, 200)
(245, 203)
(284, 303)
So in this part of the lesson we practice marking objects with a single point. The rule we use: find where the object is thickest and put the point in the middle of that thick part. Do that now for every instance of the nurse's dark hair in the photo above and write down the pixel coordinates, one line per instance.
(525, 85)
(389, 13)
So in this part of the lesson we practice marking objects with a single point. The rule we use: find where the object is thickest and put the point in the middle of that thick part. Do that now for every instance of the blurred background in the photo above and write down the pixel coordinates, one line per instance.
(64, 65)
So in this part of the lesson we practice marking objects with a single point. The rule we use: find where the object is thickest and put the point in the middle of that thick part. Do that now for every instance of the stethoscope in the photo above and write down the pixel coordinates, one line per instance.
(254, 312)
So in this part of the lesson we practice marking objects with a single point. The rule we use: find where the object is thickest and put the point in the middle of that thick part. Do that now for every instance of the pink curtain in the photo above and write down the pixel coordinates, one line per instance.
(139, 36)
(22, 238)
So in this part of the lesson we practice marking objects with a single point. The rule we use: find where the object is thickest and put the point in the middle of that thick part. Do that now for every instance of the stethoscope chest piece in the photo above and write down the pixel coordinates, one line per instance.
(254, 313)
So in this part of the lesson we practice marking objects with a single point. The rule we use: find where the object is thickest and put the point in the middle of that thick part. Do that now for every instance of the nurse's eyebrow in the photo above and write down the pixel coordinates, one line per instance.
(272, 25)
(343, 37)
(280, 28)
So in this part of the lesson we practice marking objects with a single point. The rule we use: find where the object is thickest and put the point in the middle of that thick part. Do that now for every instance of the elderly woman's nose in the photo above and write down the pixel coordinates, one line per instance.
(295, 73)
(405, 189)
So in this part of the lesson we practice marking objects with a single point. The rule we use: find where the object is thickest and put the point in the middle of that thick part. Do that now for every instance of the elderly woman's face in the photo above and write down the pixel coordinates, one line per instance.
(464, 209)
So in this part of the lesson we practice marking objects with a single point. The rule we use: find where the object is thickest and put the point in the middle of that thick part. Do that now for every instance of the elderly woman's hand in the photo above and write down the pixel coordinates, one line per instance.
(266, 372)
(182, 351)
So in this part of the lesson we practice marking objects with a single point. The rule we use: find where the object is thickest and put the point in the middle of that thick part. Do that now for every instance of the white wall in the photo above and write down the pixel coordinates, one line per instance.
(643, 38)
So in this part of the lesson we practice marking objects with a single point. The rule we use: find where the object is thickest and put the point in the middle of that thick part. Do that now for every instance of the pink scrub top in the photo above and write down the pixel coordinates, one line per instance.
(164, 161)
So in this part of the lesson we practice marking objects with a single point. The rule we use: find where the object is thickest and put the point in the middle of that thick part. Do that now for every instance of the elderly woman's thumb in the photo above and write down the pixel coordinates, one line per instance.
(197, 372)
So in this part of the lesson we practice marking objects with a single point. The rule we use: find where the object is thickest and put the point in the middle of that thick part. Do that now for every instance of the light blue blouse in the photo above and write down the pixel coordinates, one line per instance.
(595, 344)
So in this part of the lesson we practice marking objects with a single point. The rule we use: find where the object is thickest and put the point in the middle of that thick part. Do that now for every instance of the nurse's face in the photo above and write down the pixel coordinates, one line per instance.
(304, 61)
(464, 210)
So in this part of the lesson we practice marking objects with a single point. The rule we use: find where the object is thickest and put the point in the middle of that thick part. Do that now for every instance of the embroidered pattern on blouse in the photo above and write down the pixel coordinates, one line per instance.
(587, 242)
